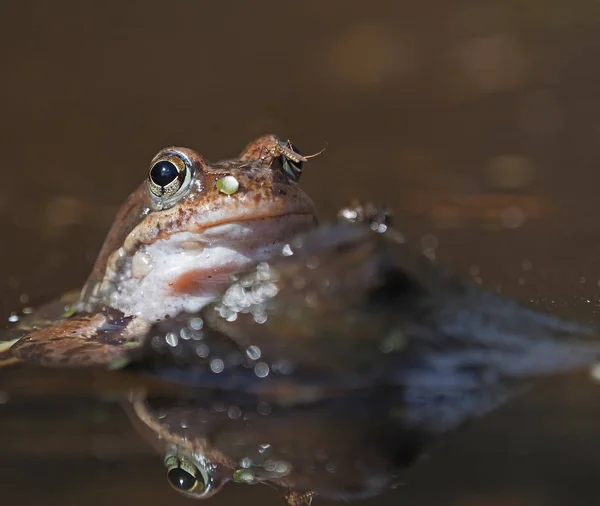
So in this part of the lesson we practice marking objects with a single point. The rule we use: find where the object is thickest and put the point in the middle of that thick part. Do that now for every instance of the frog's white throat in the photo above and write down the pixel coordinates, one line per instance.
(186, 270)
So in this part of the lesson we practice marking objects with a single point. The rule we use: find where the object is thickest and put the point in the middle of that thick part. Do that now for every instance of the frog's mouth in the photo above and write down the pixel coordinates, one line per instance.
(184, 271)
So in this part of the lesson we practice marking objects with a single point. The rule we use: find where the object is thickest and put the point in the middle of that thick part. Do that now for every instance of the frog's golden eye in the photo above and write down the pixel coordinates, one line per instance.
(290, 159)
(184, 476)
(168, 175)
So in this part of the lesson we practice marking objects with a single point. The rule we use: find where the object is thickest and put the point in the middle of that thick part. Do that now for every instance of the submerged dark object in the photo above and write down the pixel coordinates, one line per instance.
(349, 305)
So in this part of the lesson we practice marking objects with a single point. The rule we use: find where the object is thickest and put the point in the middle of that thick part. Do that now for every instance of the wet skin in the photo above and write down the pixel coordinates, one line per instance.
(173, 247)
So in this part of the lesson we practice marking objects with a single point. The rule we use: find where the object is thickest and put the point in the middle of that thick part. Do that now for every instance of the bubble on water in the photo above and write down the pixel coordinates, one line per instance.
(282, 467)
(270, 465)
(263, 408)
(287, 251)
(378, 227)
(253, 352)
(217, 365)
(234, 412)
(246, 462)
(264, 447)
(13, 318)
(196, 323)
(349, 214)
(172, 339)
(202, 350)
(261, 370)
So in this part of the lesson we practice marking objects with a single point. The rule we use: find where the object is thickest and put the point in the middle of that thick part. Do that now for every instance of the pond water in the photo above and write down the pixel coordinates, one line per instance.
(477, 123)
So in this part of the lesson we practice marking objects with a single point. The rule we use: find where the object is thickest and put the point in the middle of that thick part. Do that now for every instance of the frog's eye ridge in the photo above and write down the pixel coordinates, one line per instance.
(184, 476)
(167, 175)
(291, 160)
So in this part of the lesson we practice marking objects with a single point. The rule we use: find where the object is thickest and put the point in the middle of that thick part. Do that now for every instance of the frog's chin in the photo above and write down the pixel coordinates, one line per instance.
(185, 271)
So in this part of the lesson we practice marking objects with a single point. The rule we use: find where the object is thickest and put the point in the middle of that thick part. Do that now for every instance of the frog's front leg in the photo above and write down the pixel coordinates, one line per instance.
(105, 338)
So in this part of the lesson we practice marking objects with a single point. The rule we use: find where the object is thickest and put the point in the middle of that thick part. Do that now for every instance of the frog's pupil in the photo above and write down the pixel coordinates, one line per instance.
(181, 479)
(163, 173)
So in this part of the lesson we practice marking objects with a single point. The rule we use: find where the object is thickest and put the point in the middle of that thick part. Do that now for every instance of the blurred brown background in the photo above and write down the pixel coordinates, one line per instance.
(477, 122)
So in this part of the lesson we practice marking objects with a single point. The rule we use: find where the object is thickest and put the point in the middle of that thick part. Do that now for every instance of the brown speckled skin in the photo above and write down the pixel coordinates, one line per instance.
(264, 192)
(104, 336)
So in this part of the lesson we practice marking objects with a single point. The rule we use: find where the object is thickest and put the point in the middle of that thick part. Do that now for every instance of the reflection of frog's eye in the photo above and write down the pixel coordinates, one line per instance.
(184, 476)
(291, 160)
(168, 175)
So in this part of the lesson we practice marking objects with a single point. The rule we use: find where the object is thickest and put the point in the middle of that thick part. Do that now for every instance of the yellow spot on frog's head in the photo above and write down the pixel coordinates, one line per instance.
(228, 185)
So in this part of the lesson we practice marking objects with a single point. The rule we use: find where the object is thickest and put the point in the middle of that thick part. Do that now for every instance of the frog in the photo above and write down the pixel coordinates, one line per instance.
(174, 244)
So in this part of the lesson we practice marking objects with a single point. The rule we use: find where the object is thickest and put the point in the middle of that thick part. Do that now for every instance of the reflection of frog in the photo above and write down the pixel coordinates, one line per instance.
(350, 447)
(174, 245)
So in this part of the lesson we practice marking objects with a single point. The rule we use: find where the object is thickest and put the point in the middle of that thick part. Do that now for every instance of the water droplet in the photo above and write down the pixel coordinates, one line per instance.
(260, 318)
(172, 339)
(246, 462)
(13, 318)
(253, 352)
(234, 412)
(263, 408)
(270, 465)
(217, 365)
(202, 350)
(196, 323)
(264, 447)
(287, 251)
(349, 214)
(282, 467)
(261, 370)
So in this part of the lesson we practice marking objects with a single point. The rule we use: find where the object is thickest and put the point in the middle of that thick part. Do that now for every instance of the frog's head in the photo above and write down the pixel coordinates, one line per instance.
(192, 224)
